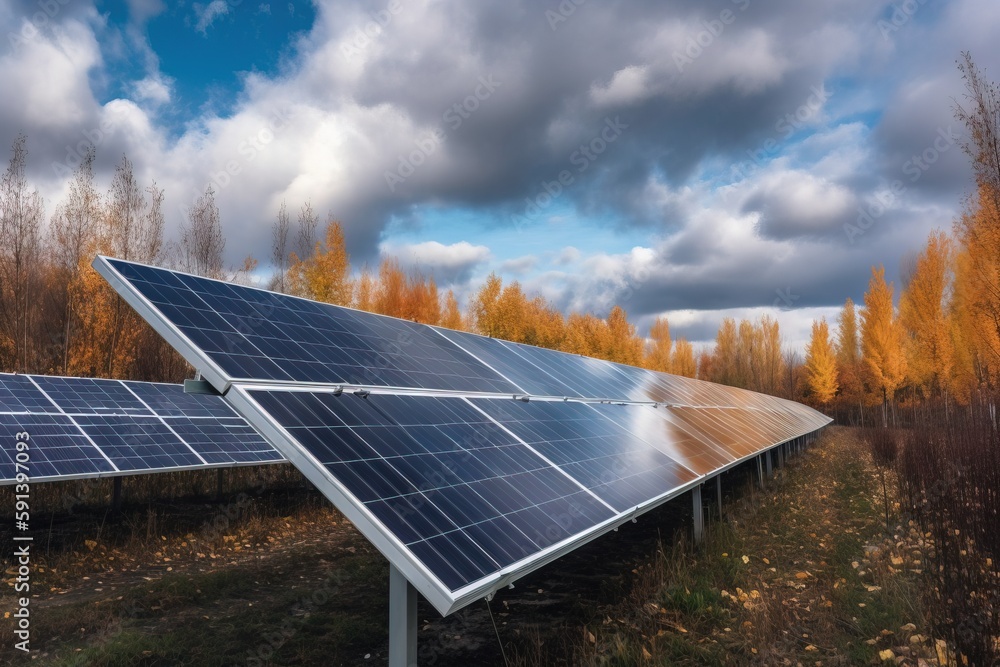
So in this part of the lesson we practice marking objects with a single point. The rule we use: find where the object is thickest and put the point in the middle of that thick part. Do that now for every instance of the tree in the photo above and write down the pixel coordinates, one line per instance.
(772, 364)
(21, 216)
(308, 223)
(452, 317)
(724, 360)
(682, 361)
(364, 291)
(849, 355)
(882, 340)
(982, 120)
(821, 364)
(325, 274)
(391, 293)
(74, 226)
(625, 346)
(279, 248)
(705, 369)
(202, 242)
(923, 314)
(659, 346)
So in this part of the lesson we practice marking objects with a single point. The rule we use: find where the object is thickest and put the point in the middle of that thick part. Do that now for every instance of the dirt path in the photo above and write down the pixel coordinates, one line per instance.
(802, 573)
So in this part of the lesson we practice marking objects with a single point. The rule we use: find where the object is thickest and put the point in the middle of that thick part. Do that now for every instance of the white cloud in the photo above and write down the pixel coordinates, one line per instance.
(627, 86)
(448, 263)
(154, 89)
(519, 265)
(141, 11)
(208, 13)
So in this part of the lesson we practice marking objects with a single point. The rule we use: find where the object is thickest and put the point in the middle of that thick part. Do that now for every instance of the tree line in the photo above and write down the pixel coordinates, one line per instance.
(941, 341)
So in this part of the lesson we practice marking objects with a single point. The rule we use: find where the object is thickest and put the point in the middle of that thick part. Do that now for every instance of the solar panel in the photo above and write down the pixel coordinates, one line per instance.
(245, 333)
(412, 432)
(463, 495)
(621, 469)
(83, 427)
(655, 427)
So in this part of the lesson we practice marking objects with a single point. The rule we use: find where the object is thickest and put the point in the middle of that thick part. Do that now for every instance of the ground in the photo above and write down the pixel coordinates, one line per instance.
(803, 572)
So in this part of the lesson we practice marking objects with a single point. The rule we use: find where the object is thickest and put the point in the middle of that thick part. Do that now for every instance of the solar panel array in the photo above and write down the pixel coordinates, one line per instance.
(82, 427)
(427, 439)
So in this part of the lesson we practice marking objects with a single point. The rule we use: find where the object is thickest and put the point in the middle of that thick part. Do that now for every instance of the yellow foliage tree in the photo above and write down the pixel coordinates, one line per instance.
(923, 313)
(882, 340)
(659, 347)
(452, 316)
(324, 275)
(821, 364)
(682, 361)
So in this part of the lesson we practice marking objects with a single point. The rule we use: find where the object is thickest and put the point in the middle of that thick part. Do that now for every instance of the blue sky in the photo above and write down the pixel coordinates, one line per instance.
(693, 159)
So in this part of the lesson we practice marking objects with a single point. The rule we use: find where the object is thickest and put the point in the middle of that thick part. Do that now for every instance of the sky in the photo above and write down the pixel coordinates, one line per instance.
(690, 159)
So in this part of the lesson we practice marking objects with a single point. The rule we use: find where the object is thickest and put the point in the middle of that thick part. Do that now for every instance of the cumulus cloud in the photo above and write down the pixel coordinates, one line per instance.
(452, 263)
(353, 105)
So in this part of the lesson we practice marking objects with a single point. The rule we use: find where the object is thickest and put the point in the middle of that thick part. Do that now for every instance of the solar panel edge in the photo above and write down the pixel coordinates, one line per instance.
(209, 370)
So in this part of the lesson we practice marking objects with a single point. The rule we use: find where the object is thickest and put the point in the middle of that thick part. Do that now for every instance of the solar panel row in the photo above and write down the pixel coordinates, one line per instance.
(460, 486)
(82, 427)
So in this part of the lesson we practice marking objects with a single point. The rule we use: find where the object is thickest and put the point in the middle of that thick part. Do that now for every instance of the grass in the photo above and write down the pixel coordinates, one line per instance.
(798, 574)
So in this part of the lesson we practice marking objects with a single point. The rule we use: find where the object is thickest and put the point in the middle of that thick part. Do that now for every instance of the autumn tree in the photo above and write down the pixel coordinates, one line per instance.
(325, 274)
(821, 364)
(923, 314)
(21, 217)
(882, 340)
(771, 364)
(364, 290)
(849, 355)
(73, 229)
(202, 242)
(390, 293)
(725, 368)
(452, 316)
(279, 248)
(110, 330)
(682, 360)
(659, 347)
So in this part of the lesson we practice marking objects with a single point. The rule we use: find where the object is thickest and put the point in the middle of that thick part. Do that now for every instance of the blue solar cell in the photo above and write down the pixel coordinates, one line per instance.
(617, 466)
(260, 335)
(436, 473)
(137, 443)
(55, 447)
(87, 395)
(223, 441)
(19, 394)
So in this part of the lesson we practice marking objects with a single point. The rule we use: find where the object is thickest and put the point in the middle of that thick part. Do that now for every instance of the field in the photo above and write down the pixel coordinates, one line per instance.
(801, 573)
